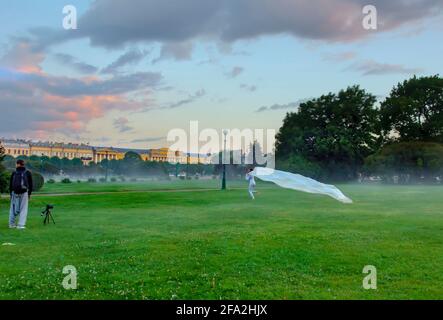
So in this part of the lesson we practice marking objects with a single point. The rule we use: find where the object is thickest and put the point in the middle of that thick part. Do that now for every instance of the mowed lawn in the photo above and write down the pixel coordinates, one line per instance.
(221, 245)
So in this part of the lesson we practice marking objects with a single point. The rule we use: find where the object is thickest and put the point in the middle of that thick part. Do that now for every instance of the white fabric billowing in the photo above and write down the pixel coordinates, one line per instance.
(298, 182)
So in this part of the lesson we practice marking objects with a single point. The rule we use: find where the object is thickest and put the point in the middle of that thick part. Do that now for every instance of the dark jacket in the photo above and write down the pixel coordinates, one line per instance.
(28, 177)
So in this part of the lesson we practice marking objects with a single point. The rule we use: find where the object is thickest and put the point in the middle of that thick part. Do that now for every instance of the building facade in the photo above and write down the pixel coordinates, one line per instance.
(100, 154)
(61, 150)
(16, 148)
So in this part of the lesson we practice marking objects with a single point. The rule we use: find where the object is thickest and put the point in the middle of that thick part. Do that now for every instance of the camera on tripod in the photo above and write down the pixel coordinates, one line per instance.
(48, 214)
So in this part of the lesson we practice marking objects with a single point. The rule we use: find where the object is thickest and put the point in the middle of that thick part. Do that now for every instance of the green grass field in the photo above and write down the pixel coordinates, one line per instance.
(220, 245)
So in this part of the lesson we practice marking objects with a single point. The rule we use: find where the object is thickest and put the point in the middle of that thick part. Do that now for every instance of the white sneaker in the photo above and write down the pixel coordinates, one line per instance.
(21, 228)
(12, 227)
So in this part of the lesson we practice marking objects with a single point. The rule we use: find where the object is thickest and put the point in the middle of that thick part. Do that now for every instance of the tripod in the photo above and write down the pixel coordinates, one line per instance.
(48, 216)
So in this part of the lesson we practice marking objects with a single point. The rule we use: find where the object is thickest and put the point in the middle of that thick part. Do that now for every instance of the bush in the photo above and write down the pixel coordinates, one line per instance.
(79, 181)
(4, 175)
(102, 180)
(4, 182)
(113, 179)
(66, 180)
(410, 162)
(37, 181)
(51, 181)
(122, 179)
(92, 180)
(134, 179)
(299, 164)
(182, 177)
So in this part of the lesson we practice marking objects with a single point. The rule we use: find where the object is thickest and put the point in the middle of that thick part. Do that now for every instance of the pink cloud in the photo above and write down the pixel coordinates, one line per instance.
(22, 58)
(37, 102)
(76, 112)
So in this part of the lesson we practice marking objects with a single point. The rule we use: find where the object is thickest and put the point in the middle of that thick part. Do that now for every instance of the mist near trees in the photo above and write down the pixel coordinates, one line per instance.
(346, 136)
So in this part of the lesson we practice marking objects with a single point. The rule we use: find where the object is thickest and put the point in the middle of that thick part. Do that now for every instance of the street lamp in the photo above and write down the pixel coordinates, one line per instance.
(177, 163)
(225, 133)
(41, 162)
(188, 160)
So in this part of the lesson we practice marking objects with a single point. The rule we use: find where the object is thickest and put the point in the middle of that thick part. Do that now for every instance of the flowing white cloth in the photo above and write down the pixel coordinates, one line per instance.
(298, 182)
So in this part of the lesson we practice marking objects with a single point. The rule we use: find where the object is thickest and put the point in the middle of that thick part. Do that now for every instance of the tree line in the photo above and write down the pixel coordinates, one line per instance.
(349, 135)
(131, 166)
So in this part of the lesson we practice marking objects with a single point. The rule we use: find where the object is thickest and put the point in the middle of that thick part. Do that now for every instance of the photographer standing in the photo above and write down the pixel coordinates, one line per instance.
(20, 188)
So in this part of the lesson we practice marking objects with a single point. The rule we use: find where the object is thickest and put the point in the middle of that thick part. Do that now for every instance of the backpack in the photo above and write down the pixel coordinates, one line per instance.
(20, 182)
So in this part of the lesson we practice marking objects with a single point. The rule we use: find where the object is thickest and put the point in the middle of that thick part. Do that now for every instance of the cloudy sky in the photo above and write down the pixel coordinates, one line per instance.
(135, 69)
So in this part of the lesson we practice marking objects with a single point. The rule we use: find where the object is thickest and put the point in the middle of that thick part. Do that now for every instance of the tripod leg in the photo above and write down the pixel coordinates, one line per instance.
(52, 218)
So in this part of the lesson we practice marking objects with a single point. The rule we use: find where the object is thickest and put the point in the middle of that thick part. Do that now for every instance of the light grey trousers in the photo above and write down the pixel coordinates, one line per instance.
(251, 190)
(19, 209)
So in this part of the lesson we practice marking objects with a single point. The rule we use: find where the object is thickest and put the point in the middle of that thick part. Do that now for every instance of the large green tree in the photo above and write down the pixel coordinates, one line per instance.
(414, 110)
(331, 135)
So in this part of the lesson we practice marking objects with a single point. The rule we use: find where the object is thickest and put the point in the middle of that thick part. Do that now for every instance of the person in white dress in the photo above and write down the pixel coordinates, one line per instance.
(251, 180)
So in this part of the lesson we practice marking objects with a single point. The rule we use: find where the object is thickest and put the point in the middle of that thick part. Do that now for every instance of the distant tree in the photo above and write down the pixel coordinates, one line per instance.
(152, 168)
(22, 157)
(66, 164)
(132, 165)
(335, 133)
(34, 158)
(95, 169)
(414, 110)
(300, 165)
(131, 155)
(47, 168)
(38, 181)
(408, 161)
(233, 170)
(114, 166)
(55, 161)
(76, 162)
(255, 151)
(77, 166)
(104, 163)
(3, 173)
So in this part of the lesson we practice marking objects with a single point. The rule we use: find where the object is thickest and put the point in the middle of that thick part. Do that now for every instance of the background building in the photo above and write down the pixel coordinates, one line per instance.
(100, 154)
(88, 154)
(62, 150)
(16, 148)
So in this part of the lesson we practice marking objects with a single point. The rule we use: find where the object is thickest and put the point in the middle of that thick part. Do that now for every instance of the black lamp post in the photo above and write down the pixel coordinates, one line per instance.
(177, 168)
(188, 160)
(225, 133)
